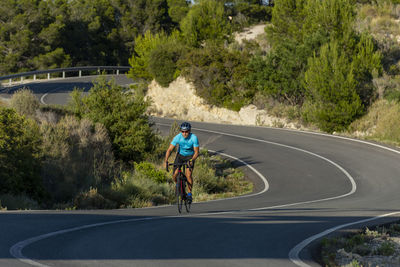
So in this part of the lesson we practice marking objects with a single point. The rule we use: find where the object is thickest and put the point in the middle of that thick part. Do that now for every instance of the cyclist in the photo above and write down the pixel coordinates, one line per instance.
(188, 150)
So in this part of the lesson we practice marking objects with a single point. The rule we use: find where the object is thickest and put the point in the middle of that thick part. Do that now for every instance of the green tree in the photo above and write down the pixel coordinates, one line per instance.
(217, 73)
(163, 62)
(20, 154)
(123, 113)
(177, 9)
(280, 73)
(367, 64)
(144, 45)
(298, 29)
(287, 20)
(332, 100)
(206, 21)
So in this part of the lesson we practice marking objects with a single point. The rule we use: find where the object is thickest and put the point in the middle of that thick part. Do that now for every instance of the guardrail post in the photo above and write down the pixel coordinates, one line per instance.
(34, 77)
(117, 72)
(22, 79)
(10, 81)
(80, 73)
(48, 76)
(63, 74)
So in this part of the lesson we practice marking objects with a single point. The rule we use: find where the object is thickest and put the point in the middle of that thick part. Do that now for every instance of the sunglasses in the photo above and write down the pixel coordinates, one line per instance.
(184, 131)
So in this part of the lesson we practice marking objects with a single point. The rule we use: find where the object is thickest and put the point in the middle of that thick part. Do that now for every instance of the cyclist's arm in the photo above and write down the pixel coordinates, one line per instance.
(169, 151)
(196, 153)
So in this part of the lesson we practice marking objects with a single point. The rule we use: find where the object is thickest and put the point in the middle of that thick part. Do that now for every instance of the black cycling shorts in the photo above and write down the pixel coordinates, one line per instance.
(181, 159)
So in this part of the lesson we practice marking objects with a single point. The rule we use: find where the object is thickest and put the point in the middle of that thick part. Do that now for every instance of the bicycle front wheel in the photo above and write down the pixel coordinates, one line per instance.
(187, 205)
(179, 195)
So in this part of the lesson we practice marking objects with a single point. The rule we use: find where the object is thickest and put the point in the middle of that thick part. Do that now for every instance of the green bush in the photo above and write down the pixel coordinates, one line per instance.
(136, 190)
(163, 62)
(18, 202)
(333, 102)
(123, 113)
(149, 171)
(144, 45)
(216, 176)
(280, 73)
(20, 154)
(387, 248)
(177, 9)
(206, 20)
(217, 74)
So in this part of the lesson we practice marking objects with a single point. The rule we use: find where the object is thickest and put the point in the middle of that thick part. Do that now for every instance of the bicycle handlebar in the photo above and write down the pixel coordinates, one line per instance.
(179, 165)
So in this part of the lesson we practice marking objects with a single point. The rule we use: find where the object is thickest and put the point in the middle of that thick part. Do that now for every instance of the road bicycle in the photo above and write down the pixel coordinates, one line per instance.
(181, 181)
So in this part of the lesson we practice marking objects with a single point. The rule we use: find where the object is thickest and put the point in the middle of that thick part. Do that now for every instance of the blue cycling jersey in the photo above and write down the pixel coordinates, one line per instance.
(186, 145)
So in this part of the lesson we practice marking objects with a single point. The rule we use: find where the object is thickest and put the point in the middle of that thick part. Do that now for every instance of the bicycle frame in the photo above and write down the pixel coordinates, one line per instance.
(181, 181)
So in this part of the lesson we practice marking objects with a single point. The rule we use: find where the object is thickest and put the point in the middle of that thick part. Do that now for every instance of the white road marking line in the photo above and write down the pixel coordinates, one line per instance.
(16, 250)
(294, 252)
(351, 179)
(42, 98)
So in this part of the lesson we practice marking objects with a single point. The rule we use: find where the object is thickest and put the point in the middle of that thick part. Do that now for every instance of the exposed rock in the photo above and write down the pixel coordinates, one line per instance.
(180, 101)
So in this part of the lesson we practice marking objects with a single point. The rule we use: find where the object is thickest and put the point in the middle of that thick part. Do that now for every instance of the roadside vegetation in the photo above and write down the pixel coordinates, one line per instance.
(322, 64)
(378, 246)
(98, 152)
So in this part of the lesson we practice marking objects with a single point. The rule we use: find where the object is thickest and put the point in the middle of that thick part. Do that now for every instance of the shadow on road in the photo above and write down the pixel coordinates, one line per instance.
(267, 234)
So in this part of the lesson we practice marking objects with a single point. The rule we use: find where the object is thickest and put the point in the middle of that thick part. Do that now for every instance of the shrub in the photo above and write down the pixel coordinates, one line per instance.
(333, 102)
(163, 63)
(144, 45)
(136, 190)
(149, 171)
(216, 176)
(387, 248)
(92, 200)
(77, 156)
(25, 102)
(19, 156)
(217, 74)
(18, 202)
(206, 21)
(123, 113)
(177, 9)
(279, 74)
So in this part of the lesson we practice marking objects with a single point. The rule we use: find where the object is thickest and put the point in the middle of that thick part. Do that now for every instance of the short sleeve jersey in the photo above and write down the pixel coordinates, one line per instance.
(186, 145)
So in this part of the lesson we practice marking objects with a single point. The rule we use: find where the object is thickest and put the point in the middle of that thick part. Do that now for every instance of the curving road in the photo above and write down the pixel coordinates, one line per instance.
(307, 185)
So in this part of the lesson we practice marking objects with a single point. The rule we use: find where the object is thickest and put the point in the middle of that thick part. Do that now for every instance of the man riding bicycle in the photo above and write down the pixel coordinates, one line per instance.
(188, 151)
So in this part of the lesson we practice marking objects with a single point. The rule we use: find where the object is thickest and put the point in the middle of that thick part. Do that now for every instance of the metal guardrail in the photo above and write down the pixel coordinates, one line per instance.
(79, 70)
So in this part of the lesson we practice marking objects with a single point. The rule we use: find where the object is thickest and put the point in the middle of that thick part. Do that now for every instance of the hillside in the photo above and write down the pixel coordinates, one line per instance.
(180, 101)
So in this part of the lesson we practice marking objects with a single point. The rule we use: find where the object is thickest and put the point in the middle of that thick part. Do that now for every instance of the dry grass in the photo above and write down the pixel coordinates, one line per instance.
(382, 21)
(3, 103)
(25, 102)
(381, 123)
(77, 155)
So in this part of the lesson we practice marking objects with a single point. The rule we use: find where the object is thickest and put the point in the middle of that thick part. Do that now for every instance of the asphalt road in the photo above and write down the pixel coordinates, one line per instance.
(315, 184)
(56, 91)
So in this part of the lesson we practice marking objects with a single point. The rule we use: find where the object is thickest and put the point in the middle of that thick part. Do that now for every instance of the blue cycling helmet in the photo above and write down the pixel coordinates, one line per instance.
(185, 126)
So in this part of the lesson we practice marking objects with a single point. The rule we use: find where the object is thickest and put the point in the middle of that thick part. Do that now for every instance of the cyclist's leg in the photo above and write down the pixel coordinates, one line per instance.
(174, 175)
(178, 160)
(189, 179)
